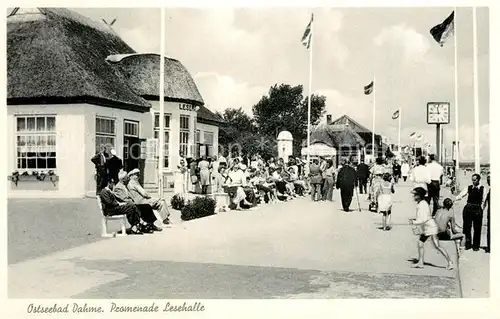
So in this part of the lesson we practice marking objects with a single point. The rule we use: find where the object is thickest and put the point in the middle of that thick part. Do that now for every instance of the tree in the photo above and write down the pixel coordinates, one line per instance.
(285, 108)
(237, 124)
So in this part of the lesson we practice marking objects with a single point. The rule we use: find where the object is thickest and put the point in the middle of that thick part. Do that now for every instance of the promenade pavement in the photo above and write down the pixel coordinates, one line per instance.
(296, 249)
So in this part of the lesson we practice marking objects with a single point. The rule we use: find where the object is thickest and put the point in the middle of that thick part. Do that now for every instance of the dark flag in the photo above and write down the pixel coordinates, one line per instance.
(369, 88)
(443, 31)
(307, 37)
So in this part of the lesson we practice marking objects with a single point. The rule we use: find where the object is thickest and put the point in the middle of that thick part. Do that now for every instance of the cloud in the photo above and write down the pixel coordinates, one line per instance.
(405, 40)
(222, 91)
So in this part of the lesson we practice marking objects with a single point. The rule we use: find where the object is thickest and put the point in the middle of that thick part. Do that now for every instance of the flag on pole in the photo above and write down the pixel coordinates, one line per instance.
(369, 88)
(443, 31)
(419, 137)
(306, 38)
(412, 134)
(395, 115)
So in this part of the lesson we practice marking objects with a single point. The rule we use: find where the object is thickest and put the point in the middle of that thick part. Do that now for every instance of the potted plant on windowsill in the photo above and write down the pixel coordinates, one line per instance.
(31, 176)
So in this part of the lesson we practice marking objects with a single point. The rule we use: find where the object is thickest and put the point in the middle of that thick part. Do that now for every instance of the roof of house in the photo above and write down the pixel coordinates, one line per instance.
(352, 123)
(55, 54)
(59, 54)
(142, 72)
(335, 136)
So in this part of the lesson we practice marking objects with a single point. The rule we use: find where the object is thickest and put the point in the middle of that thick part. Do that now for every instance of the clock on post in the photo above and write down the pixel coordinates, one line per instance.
(438, 113)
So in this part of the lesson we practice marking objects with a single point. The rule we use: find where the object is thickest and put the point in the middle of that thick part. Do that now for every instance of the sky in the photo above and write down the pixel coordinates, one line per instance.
(236, 54)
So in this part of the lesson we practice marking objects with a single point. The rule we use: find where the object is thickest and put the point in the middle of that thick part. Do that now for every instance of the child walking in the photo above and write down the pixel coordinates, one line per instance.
(429, 228)
(384, 200)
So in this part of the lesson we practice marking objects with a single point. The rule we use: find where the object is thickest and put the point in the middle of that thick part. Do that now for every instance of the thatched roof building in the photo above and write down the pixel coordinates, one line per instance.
(56, 55)
(335, 136)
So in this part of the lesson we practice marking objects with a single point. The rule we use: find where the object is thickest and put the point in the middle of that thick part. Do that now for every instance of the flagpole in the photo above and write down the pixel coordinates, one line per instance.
(457, 137)
(162, 105)
(373, 121)
(476, 95)
(310, 90)
(399, 131)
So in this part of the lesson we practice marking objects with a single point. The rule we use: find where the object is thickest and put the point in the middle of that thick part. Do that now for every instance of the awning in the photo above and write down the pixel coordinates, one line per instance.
(319, 149)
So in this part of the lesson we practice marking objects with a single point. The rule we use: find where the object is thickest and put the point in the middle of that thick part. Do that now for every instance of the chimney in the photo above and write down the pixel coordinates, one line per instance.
(328, 119)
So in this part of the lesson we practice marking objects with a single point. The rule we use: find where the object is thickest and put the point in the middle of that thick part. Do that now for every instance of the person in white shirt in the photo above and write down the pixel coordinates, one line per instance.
(405, 170)
(428, 227)
(420, 175)
(237, 180)
(435, 173)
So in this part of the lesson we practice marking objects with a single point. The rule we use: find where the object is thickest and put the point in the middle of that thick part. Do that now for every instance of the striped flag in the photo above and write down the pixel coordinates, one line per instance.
(369, 88)
(307, 37)
(395, 115)
(443, 31)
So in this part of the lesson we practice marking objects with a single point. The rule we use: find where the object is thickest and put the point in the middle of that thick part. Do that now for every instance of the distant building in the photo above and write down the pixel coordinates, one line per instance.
(73, 85)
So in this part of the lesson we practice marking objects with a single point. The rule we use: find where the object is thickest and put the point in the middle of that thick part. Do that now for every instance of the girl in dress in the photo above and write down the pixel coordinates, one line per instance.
(384, 200)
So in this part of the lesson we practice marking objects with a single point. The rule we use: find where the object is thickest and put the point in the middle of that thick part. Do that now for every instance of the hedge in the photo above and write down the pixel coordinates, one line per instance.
(198, 208)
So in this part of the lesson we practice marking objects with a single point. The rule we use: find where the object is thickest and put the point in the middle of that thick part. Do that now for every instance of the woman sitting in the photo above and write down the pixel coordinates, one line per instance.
(235, 182)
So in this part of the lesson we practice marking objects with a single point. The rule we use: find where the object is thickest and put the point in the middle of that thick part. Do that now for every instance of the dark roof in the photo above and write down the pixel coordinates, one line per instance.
(352, 123)
(208, 117)
(57, 53)
(335, 136)
(142, 72)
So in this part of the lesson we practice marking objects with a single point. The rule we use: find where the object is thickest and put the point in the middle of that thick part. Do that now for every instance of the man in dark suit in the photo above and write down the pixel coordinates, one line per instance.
(114, 165)
(346, 181)
(112, 207)
(102, 175)
(363, 173)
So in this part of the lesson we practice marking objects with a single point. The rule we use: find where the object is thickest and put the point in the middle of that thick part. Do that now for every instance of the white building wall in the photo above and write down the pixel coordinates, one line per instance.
(75, 144)
(93, 111)
(70, 151)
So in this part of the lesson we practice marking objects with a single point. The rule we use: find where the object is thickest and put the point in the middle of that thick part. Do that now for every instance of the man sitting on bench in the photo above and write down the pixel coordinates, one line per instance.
(447, 226)
(111, 207)
(123, 195)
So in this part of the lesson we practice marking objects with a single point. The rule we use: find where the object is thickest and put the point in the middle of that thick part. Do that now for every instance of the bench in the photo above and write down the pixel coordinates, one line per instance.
(104, 222)
(222, 201)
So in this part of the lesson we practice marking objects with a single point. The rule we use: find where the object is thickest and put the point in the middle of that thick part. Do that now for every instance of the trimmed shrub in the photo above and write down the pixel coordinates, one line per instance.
(177, 202)
(198, 208)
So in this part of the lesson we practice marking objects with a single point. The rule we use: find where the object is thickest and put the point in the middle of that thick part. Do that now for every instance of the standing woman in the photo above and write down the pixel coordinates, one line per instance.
(192, 174)
(384, 201)
(376, 172)
(329, 177)
(428, 227)
(204, 168)
(315, 180)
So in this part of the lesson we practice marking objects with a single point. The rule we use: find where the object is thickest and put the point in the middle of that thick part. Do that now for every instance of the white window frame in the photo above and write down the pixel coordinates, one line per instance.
(186, 132)
(35, 136)
(133, 123)
(105, 135)
(156, 135)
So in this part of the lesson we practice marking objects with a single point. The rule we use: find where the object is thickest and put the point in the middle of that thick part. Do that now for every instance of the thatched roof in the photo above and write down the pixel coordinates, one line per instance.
(335, 136)
(143, 76)
(206, 116)
(56, 55)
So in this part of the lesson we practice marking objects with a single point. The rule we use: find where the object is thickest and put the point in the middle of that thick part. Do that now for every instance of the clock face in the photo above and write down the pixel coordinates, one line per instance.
(438, 113)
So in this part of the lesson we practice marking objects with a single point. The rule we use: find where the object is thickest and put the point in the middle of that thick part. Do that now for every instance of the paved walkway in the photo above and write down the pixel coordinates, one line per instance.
(296, 249)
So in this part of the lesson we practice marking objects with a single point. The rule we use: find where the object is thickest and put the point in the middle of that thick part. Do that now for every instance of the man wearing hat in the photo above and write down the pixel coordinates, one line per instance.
(114, 164)
(140, 196)
(123, 195)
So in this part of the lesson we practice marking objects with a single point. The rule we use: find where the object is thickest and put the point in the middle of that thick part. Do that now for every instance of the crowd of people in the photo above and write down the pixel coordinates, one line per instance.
(250, 181)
